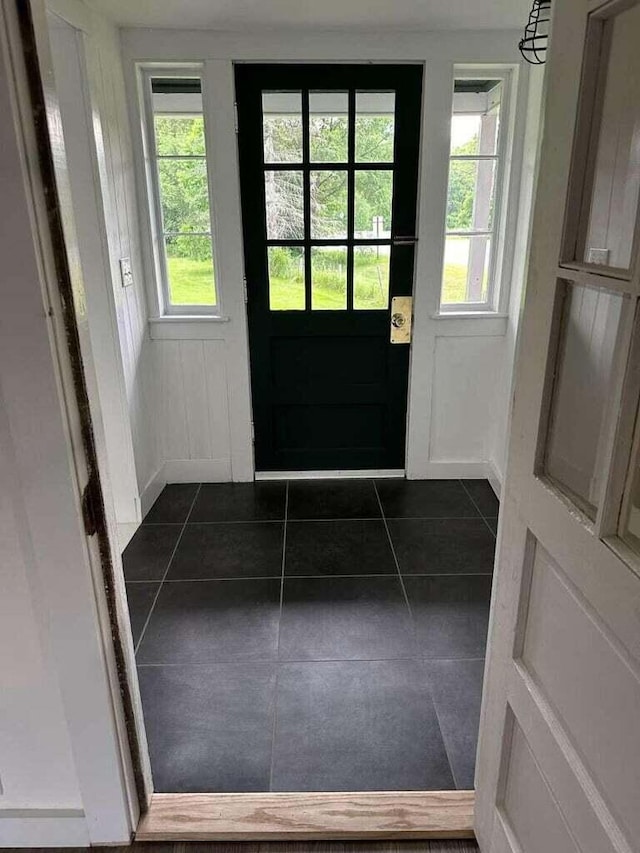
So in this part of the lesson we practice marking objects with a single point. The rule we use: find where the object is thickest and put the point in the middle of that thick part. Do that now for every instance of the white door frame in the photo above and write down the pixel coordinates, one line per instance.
(49, 389)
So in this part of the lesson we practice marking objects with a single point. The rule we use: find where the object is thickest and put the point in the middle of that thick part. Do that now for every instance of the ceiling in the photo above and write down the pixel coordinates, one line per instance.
(329, 14)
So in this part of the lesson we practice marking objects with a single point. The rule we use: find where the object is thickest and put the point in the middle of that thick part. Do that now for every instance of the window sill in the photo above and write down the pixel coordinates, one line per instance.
(471, 323)
(177, 327)
(471, 315)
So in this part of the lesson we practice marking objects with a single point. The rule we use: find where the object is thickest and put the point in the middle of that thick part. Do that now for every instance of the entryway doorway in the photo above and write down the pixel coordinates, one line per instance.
(329, 171)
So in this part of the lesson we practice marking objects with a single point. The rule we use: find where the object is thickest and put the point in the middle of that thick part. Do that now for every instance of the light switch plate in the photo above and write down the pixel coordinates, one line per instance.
(126, 273)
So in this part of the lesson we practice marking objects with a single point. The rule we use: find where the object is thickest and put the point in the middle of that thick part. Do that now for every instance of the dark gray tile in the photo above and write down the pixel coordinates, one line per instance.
(425, 499)
(207, 621)
(147, 556)
(241, 550)
(357, 726)
(451, 614)
(139, 599)
(456, 688)
(332, 499)
(484, 496)
(173, 505)
(345, 619)
(443, 546)
(338, 548)
(209, 727)
(240, 502)
(493, 524)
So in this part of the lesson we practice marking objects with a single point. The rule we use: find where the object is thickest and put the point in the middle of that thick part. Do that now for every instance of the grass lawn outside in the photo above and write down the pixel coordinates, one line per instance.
(192, 283)
(454, 279)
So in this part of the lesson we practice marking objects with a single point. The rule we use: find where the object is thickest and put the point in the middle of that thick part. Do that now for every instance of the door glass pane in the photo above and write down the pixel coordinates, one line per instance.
(282, 127)
(284, 205)
(375, 126)
(328, 127)
(371, 277)
(581, 393)
(190, 270)
(470, 197)
(286, 278)
(611, 214)
(328, 193)
(329, 278)
(373, 199)
(184, 195)
(465, 276)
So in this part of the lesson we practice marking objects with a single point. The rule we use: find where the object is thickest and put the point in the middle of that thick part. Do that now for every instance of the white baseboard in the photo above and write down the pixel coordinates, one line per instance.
(197, 471)
(125, 533)
(151, 491)
(451, 471)
(43, 828)
(494, 477)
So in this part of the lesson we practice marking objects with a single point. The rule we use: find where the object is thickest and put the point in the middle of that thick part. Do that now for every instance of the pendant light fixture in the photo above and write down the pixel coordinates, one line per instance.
(533, 45)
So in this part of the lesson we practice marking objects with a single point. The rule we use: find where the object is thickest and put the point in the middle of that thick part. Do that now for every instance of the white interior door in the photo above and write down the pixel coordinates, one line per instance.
(559, 754)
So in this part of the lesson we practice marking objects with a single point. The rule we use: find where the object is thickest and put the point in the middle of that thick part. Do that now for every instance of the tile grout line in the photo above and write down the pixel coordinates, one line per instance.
(324, 520)
(314, 661)
(473, 501)
(166, 572)
(319, 577)
(395, 559)
(277, 668)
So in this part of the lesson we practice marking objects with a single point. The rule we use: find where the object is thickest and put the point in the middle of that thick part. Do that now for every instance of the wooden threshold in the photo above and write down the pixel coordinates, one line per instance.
(308, 816)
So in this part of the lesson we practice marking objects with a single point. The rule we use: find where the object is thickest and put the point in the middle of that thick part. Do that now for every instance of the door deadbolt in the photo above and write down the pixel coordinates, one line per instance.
(401, 311)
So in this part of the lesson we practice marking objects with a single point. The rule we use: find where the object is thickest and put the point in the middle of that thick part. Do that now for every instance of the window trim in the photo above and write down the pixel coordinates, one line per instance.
(499, 263)
(168, 309)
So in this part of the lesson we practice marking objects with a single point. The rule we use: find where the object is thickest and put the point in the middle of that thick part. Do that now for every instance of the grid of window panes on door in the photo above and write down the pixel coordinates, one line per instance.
(328, 183)
(474, 174)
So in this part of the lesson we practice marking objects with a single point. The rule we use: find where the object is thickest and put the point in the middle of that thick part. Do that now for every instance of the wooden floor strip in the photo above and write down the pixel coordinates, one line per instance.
(309, 816)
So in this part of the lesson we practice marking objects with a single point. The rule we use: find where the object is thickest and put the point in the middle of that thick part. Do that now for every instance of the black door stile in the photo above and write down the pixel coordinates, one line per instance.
(329, 390)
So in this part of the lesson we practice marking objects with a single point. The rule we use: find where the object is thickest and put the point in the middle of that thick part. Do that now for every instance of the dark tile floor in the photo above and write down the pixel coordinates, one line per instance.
(313, 635)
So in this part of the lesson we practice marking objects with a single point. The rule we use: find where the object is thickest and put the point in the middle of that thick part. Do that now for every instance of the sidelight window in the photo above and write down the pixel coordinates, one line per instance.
(473, 213)
(178, 178)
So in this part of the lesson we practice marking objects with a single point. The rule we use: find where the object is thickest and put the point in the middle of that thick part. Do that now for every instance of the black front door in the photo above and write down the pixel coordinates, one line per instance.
(328, 163)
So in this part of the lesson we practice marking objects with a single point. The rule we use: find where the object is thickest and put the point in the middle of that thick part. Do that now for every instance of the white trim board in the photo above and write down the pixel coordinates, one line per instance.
(495, 478)
(197, 471)
(151, 491)
(454, 471)
(43, 828)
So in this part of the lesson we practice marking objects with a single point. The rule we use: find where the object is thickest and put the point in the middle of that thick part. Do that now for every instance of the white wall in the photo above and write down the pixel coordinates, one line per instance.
(459, 381)
(124, 356)
(124, 241)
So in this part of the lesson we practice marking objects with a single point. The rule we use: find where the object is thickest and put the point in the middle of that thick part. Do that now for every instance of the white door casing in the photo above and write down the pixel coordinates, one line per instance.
(559, 751)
